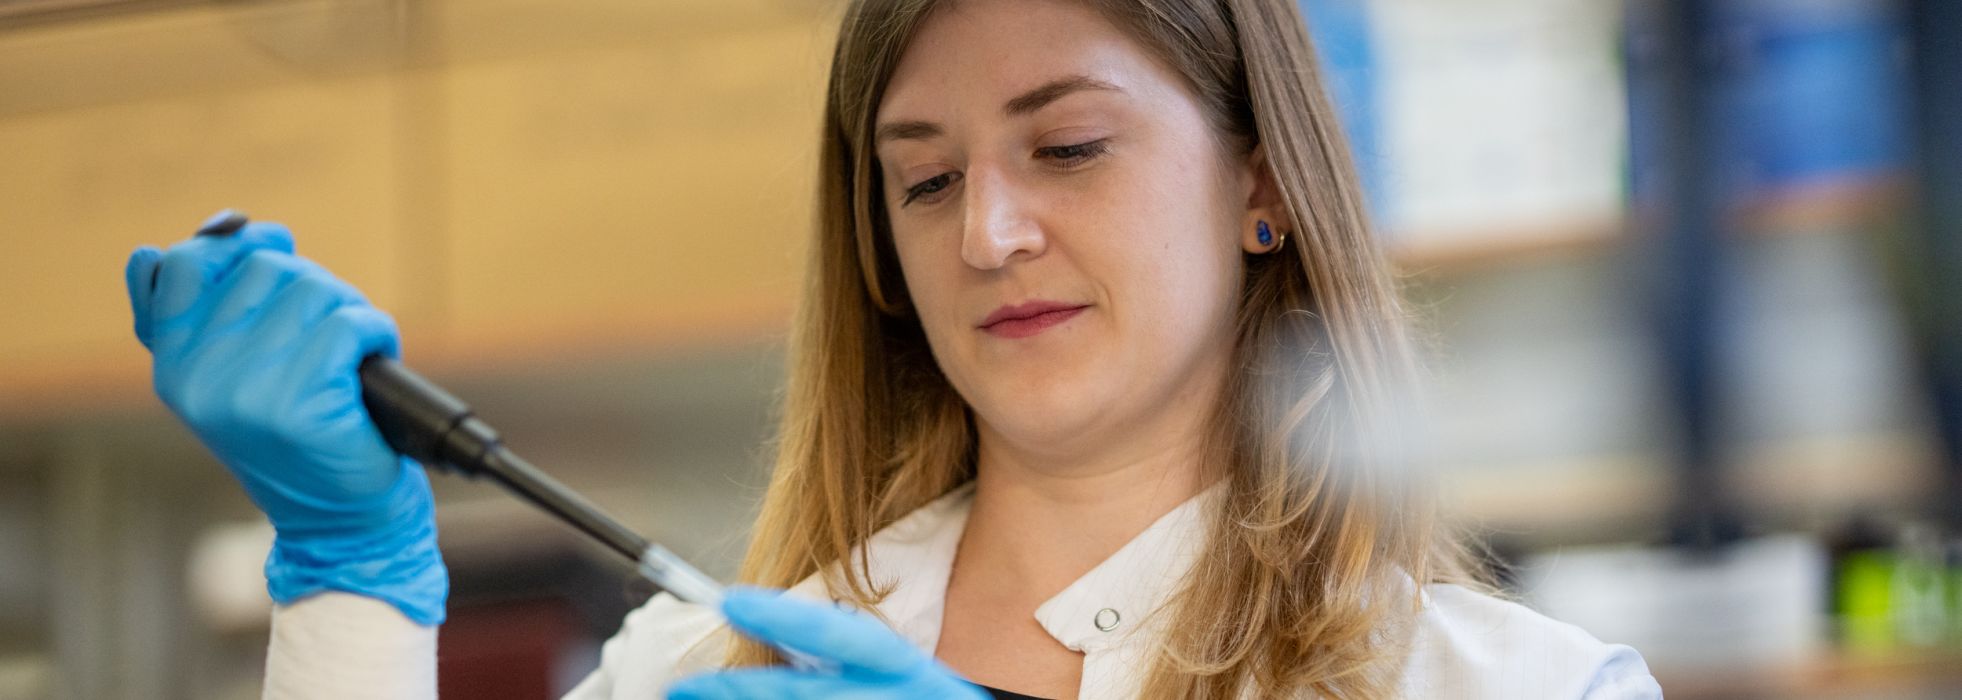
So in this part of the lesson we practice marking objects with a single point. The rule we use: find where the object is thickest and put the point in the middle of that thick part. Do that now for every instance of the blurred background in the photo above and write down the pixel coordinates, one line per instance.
(1690, 273)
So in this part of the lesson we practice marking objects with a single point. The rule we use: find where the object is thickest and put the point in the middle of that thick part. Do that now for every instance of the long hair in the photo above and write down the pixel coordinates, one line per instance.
(1309, 578)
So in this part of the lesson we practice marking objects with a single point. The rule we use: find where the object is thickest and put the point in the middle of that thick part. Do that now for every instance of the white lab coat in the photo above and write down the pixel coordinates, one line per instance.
(1466, 645)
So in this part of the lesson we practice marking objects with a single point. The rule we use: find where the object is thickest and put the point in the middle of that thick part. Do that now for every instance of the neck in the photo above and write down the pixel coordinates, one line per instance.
(1049, 530)
(1044, 518)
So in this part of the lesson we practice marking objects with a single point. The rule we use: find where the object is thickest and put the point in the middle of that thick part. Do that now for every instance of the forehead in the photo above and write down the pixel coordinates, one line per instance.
(975, 54)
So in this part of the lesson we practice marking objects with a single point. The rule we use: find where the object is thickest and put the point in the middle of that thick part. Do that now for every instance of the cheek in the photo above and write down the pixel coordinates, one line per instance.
(932, 273)
(1178, 255)
(1175, 294)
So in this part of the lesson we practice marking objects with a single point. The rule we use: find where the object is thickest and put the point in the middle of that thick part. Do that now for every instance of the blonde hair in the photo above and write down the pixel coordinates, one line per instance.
(1304, 585)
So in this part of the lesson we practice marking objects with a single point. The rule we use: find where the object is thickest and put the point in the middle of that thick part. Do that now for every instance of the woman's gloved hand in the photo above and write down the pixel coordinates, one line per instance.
(872, 661)
(256, 349)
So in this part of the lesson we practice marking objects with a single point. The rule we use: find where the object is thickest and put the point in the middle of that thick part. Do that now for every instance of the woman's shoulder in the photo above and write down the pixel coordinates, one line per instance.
(1470, 644)
(663, 640)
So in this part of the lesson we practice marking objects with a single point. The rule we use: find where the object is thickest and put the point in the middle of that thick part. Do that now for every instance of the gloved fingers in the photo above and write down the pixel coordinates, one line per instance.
(192, 267)
(302, 389)
(251, 287)
(347, 292)
(265, 275)
(348, 335)
(854, 640)
(769, 684)
(138, 274)
(339, 343)
(307, 294)
(201, 379)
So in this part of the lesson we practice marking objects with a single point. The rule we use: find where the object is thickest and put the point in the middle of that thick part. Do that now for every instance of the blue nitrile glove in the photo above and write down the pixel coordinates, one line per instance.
(872, 661)
(256, 350)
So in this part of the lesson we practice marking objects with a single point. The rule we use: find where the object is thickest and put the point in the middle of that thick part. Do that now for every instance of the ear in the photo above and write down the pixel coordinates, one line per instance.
(1264, 205)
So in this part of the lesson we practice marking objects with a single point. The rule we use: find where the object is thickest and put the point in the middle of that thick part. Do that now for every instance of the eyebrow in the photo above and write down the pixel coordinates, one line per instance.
(1023, 104)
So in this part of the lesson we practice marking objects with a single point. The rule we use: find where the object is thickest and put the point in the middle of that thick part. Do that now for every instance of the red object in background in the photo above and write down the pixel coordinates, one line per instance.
(506, 650)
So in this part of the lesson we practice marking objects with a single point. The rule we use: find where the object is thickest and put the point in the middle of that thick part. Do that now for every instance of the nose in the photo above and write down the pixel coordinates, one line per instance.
(997, 224)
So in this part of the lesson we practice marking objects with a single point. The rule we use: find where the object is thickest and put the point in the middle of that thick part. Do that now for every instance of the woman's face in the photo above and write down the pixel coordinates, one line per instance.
(1036, 159)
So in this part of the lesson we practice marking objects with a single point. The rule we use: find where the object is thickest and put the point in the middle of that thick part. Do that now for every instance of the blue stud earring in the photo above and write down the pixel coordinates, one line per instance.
(1265, 235)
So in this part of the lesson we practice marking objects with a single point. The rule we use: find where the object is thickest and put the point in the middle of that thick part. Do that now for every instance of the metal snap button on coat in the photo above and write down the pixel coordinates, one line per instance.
(1106, 619)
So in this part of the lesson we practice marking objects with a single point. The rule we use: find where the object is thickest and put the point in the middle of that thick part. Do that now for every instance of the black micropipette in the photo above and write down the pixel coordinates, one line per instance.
(426, 423)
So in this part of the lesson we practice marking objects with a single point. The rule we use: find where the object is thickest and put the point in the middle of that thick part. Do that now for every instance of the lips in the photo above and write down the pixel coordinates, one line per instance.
(1027, 319)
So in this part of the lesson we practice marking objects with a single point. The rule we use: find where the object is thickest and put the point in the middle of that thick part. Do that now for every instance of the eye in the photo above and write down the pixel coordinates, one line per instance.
(930, 186)
(1075, 155)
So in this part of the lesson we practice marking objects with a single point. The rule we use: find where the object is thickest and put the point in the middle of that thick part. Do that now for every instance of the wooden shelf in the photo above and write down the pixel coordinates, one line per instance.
(117, 380)
(621, 218)
(1902, 673)
(1420, 252)
(1837, 205)
(1787, 483)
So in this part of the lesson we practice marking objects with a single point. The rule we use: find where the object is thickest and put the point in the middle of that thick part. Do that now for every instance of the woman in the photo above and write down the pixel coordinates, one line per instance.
(1086, 400)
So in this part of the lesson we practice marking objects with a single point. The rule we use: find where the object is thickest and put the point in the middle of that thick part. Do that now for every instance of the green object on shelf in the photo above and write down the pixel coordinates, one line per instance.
(1954, 602)
(1866, 600)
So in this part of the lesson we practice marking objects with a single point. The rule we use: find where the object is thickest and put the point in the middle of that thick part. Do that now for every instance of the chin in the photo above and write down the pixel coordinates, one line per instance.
(1050, 413)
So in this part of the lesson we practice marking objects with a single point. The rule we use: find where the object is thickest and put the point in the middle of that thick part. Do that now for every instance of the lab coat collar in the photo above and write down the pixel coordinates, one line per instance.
(1123, 594)
(1107, 606)
(914, 555)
